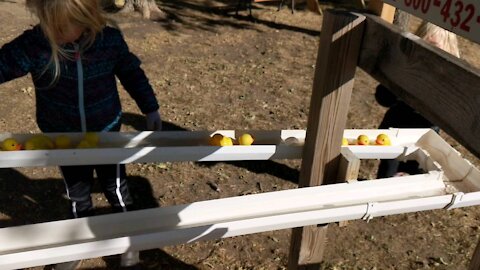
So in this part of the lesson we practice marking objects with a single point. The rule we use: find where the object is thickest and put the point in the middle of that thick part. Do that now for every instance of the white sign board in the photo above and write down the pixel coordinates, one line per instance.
(459, 16)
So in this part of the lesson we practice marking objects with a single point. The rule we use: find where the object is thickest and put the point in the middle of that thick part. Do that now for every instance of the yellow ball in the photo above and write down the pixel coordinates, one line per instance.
(63, 142)
(246, 139)
(84, 144)
(30, 145)
(226, 141)
(92, 138)
(344, 141)
(39, 142)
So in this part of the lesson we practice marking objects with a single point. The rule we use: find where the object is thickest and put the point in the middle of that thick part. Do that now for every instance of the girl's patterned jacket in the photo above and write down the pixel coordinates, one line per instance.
(85, 96)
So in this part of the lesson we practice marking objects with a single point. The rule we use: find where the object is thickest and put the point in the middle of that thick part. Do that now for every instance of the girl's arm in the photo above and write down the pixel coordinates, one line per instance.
(134, 80)
(14, 61)
(384, 97)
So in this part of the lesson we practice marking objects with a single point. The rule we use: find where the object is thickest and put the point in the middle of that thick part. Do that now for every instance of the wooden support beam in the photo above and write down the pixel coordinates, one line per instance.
(475, 262)
(348, 170)
(314, 6)
(384, 11)
(440, 86)
(332, 88)
(349, 166)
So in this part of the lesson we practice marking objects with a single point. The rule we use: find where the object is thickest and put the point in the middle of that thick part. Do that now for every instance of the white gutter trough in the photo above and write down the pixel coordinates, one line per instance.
(449, 182)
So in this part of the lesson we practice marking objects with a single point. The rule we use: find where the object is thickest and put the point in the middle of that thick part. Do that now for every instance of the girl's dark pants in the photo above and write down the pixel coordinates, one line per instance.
(112, 178)
(399, 115)
(79, 182)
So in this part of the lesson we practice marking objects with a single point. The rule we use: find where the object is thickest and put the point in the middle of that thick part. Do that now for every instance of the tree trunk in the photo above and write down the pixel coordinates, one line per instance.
(148, 8)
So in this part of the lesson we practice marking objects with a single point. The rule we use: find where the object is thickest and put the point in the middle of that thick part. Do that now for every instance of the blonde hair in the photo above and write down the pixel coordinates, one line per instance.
(439, 37)
(55, 14)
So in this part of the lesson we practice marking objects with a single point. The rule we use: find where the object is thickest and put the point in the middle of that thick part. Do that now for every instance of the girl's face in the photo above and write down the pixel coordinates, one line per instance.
(71, 32)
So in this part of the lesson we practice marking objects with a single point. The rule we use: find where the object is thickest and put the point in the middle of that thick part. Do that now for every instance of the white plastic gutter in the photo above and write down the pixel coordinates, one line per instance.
(451, 182)
(75, 239)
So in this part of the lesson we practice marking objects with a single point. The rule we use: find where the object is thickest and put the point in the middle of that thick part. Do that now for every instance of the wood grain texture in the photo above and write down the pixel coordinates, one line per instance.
(332, 88)
(475, 262)
(384, 11)
(349, 166)
(440, 86)
(348, 170)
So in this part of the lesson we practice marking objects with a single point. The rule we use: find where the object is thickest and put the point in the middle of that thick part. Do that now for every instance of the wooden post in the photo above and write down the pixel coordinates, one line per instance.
(475, 262)
(384, 11)
(349, 166)
(314, 6)
(332, 88)
(348, 170)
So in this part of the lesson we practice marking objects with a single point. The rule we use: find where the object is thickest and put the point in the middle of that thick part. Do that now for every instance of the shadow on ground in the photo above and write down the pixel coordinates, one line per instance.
(199, 16)
(27, 201)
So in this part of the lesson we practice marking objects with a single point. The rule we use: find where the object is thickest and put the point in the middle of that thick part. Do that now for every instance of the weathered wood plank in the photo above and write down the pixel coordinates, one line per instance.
(349, 166)
(384, 11)
(440, 86)
(348, 170)
(475, 262)
(332, 87)
(459, 17)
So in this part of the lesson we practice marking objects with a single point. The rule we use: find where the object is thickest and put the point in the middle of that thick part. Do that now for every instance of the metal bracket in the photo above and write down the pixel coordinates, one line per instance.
(370, 211)
(456, 198)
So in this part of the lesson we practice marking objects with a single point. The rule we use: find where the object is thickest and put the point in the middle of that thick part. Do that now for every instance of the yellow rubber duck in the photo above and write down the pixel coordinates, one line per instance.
(363, 140)
(63, 142)
(10, 144)
(383, 139)
(226, 141)
(92, 138)
(83, 144)
(39, 142)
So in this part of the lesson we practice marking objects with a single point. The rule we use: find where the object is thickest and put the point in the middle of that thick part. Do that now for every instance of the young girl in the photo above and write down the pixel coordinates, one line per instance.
(399, 114)
(74, 59)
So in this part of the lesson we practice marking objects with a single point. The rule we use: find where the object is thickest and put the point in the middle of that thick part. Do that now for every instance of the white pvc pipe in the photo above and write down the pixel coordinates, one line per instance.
(220, 210)
(157, 239)
(67, 240)
(148, 146)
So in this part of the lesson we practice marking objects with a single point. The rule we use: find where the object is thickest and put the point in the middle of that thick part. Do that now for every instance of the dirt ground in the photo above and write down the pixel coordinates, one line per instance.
(213, 70)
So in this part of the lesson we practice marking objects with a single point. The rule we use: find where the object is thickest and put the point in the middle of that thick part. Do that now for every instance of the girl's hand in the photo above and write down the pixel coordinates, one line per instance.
(154, 121)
